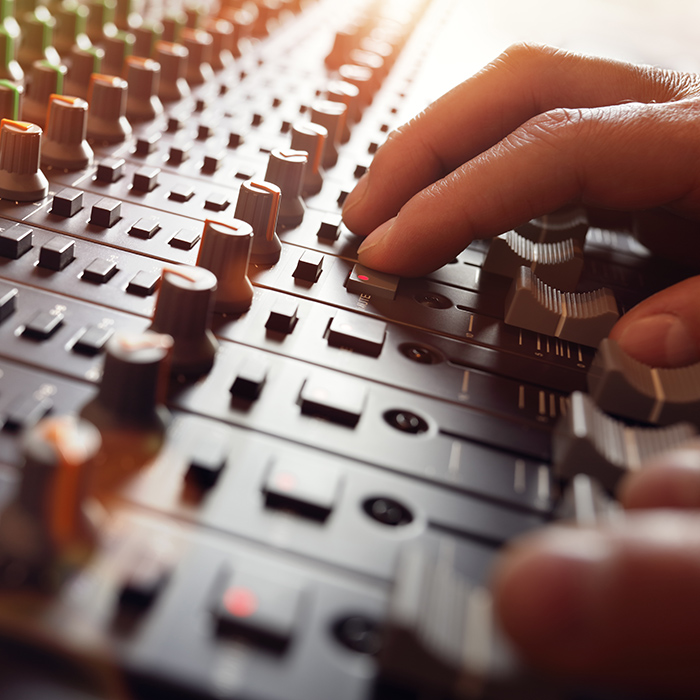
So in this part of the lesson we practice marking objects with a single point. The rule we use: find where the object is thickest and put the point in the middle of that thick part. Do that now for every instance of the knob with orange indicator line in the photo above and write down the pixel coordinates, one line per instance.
(258, 204)
(65, 146)
(332, 116)
(107, 122)
(225, 250)
(21, 180)
(184, 311)
(173, 69)
(46, 532)
(311, 138)
(285, 168)
(143, 77)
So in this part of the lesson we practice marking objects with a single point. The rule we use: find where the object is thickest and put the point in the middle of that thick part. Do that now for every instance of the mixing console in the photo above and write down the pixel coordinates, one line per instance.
(230, 456)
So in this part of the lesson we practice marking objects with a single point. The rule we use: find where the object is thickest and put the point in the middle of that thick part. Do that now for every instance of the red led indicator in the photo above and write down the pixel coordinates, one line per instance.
(285, 481)
(364, 278)
(240, 602)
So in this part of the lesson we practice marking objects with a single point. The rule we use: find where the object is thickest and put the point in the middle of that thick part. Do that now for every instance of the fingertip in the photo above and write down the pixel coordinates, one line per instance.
(353, 206)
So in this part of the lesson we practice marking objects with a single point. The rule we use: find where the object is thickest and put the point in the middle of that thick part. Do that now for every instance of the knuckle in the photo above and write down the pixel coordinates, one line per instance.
(528, 54)
(556, 126)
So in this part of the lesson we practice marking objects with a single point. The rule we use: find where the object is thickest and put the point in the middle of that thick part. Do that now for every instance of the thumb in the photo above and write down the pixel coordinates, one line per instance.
(616, 607)
(663, 330)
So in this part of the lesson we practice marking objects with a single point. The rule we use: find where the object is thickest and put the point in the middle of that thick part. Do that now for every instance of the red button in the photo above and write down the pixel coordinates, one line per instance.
(240, 602)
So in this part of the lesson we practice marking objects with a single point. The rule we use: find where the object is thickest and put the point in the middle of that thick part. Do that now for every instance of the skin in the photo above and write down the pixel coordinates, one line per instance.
(537, 129)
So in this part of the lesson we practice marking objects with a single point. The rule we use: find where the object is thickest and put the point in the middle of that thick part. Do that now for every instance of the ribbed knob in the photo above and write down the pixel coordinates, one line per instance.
(20, 177)
(9, 68)
(173, 24)
(225, 250)
(37, 34)
(332, 116)
(117, 46)
(184, 311)
(64, 145)
(344, 42)
(285, 168)
(258, 204)
(10, 96)
(124, 14)
(134, 382)
(362, 78)
(349, 95)
(199, 44)
(145, 39)
(221, 32)
(47, 80)
(107, 112)
(173, 68)
(70, 27)
(83, 63)
(143, 77)
(311, 138)
(100, 16)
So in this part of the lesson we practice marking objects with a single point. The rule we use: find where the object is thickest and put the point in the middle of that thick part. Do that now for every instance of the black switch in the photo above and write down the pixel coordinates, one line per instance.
(143, 283)
(93, 340)
(42, 325)
(67, 202)
(216, 202)
(145, 179)
(333, 397)
(185, 239)
(250, 379)
(57, 253)
(181, 193)
(234, 139)
(26, 411)
(142, 585)
(309, 267)
(145, 228)
(100, 271)
(329, 228)
(106, 212)
(15, 241)
(8, 302)
(358, 333)
(179, 154)
(283, 316)
(211, 164)
(110, 169)
(207, 459)
(145, 145)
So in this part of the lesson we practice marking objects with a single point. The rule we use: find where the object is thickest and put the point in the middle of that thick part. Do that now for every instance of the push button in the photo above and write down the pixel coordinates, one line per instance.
(357, 333)
(181, 193)
(100, 271)
(57, 253)
(283, 316)
(8, 302)
(309, 267)
(362, 280)
(216, 202)
(309, 489)
(110, 170)
(335, 398)
(92, 340)
(67, 202)
(329, 228)
(143, 283)
(185, 239)
(106, 213)
(15, 241)
(145, 228)
(207, 460)
(145, 179)
(42, 325)
(250, 379)
(26, 411)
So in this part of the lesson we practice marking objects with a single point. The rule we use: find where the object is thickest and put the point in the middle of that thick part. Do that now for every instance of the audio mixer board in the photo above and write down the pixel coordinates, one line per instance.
(230, 456)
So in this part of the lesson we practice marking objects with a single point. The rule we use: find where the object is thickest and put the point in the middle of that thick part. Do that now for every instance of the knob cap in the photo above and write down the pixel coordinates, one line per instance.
(332, 116)
(83, 63)
(107, 112)
(258, 204)
(65, 145)
(100, 16)
(225, 250)
(47, 80)
(143, 76)
(134, 383)
(362, 78)
(199, 45)
(184, 311)
(173, 68)
(349, 95)
(70, 27)
(20, 177)
(221, 32)
(145, 39)
(312, 139)
(10, 97)
(118, 46)
(37, 34)
(285, 168)
(9, 67)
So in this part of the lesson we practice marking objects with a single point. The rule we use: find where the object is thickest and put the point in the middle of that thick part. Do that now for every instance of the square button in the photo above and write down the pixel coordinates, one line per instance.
(283, 316)
(42, 325)
(92, 340)
(185, 239)
(308, 488)
(309, 266)
(145, 228)
(216, 202)
(26, 411)
(211, 164)
(57, 253)
(371, 283)
(145, 179)
(208, 458)
(145, 145)
(15, 241)
(100, 271)
(333, 397)
(358, 333)
(143, 283)
(8, 302)
(181, 193)
(106, 212)
(179, 154)
(110, 169)
(67, 202)
(329, 228)
(250, 379)
(262, 609)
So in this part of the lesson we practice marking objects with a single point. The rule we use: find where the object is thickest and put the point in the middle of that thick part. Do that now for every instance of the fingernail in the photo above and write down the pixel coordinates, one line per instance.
(357, 194)
(376, 237)
(549, 588)
(660, 341)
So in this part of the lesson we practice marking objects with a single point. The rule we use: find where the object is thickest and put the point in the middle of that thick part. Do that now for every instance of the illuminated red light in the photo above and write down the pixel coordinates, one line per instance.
(240, 602)
(364, 278)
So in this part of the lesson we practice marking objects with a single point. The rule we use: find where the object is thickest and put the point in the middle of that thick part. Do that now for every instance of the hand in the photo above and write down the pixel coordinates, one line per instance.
(537, 129)
(618, 605)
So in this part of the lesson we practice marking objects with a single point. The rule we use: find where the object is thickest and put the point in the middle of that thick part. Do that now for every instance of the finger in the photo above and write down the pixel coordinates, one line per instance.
(524, 81)
(618, 607)
(663, 330)
(589, 155)
(671, 480)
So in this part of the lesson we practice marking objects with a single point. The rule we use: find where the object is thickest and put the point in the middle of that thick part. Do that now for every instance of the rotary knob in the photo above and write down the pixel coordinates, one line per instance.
(199, 45)
(312, 139)
(143, 76)
(45, 532)
(146, 36)
(225, 250)
(107, 112)
(173, 68)
(47, 80)
(100, 17)
(20, 177)
(184, 311)
(65, 146)
(70, 27)
(10, 96)
(221, 32)
(133, 384)
(332, 116)
(83, 63)
(9, 67)
(118, 46)
(362, 78)
(285, 168)
(37, 34)
(349, 95)
(173, 24)
(258, 204)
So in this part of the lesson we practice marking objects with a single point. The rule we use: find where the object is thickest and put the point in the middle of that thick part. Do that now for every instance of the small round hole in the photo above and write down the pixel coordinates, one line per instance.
(387, 511)
(406, 421)
(358, 633)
